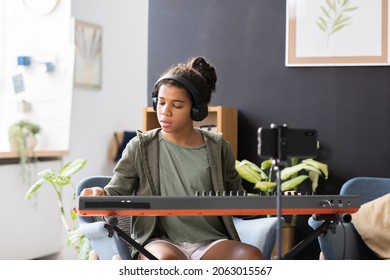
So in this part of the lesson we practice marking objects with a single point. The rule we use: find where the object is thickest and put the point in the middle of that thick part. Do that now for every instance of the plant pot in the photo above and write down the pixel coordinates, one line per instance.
(31, 142)
(288, 236)
(13, 144)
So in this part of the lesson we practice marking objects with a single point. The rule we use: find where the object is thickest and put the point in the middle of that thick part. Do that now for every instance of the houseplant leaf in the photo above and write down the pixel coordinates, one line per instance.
(33, 188)
(293, 183)
(319, 165)
(288, 172)
(266, 164)
(250, 171)
(314, 177)
(265, 186)
(249, 164)
(52, 177)
(72, 167)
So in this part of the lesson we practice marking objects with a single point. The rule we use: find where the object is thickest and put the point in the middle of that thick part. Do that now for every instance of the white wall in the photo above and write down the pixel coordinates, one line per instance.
(43, 39)
(118, 105)
(96, 114)
(33, 228)
(35, 224)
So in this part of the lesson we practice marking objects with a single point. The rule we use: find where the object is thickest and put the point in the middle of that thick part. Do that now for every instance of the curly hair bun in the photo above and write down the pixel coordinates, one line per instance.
(206, 70)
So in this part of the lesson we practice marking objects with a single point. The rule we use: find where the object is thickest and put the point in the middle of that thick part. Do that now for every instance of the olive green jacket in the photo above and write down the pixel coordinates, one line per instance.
(137, 173)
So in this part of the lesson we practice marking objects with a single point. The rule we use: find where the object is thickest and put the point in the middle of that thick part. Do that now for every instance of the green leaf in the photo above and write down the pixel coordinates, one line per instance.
(248, 163)
(314, 180)
(338, 28)
(72, 167)
(319, 165)
(350, 9)
(331, 5)
(85, 249)
(55, 179)
(293, 183)
(33, 189)
(266, 164)
(325, 12)
(265, 186)
(47, 173)
(293, 170)
(341, 20)
(250, 171)
(73, 215)
(80, 242)
(74, 237)
(61, 180)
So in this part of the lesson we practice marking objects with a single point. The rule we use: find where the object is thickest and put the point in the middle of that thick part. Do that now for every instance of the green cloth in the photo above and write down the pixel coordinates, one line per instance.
(183, 172)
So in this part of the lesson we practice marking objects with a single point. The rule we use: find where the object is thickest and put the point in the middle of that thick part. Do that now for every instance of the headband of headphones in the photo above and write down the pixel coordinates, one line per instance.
(185, 83)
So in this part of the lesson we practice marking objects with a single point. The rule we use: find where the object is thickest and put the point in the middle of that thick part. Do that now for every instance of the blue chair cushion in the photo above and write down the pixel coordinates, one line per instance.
(260, 233)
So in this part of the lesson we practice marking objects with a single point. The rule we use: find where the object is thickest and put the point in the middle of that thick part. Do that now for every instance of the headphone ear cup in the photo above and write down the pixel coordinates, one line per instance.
(155, 103)
(199, 112)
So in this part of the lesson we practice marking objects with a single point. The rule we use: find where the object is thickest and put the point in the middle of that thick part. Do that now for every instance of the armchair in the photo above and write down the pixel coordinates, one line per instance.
(260, 232)
(346, 242)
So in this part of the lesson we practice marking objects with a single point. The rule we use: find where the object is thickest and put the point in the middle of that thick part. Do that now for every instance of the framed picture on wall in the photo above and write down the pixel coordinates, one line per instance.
(88, 54)
(337, 32)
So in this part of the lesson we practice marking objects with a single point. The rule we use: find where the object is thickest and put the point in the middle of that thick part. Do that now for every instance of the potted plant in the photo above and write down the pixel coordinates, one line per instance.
(264, 177)
(58, 181)
(22, 138)
(297, 171)
(21, 135)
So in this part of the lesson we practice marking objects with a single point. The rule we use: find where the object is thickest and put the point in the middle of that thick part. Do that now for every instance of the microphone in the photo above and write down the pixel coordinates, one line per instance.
(111, 220)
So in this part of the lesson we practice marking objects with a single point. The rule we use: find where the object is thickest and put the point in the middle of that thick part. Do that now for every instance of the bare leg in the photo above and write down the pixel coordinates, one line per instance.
(164, 251)
(233, 250)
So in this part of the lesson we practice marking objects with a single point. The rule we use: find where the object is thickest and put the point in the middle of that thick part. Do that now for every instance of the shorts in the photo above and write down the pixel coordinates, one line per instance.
(193, 251)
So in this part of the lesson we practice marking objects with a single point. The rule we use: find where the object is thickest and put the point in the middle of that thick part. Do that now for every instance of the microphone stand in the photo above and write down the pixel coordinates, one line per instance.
(278, 165)
(112, 227)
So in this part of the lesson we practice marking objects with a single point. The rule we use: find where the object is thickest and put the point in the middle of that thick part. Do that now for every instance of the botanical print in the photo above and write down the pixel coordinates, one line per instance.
(335, 16)
(337, 32)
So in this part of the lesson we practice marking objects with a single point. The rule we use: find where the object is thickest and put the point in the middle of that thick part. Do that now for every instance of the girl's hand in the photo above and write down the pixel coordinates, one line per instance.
(94, 191)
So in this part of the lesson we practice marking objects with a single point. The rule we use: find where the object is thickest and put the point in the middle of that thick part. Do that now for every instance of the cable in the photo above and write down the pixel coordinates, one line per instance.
(325, 201)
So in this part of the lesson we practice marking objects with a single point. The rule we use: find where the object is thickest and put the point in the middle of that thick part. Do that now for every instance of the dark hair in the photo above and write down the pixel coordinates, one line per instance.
(198, 71)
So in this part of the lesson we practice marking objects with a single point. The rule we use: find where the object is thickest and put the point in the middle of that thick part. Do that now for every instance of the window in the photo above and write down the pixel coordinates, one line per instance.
(47, 93)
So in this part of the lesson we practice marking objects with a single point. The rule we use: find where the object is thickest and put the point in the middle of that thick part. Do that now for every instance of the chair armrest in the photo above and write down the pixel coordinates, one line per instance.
(106, 247)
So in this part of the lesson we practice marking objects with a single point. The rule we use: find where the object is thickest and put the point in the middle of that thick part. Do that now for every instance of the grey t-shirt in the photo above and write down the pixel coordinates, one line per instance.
(183, 171)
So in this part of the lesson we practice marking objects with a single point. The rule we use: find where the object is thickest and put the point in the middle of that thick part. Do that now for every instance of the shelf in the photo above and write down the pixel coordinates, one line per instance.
(223, 118)
(38, 154)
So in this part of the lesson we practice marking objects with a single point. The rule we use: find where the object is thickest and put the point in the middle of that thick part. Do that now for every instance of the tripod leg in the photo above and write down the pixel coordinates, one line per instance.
(130, 241)
(133, 243)
(301, 245)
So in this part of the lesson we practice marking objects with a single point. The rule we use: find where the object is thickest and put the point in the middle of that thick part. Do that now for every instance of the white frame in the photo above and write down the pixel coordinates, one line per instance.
(88, 54)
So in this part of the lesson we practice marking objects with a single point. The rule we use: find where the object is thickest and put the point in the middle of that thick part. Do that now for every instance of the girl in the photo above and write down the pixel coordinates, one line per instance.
(179, 159)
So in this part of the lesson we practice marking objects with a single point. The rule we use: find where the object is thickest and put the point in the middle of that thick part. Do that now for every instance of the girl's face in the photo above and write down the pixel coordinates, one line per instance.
(174, 109)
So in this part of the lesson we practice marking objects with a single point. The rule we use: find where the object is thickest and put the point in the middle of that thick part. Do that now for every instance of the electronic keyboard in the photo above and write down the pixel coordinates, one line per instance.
(215, 205)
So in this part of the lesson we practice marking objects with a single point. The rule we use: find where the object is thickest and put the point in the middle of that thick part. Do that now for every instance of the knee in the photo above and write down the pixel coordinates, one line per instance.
(163, 255)
(164, 251)
(168, 255)
(249, 253)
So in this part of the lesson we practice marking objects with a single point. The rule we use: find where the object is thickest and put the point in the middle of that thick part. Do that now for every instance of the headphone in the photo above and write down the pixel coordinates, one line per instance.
(199, 110)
